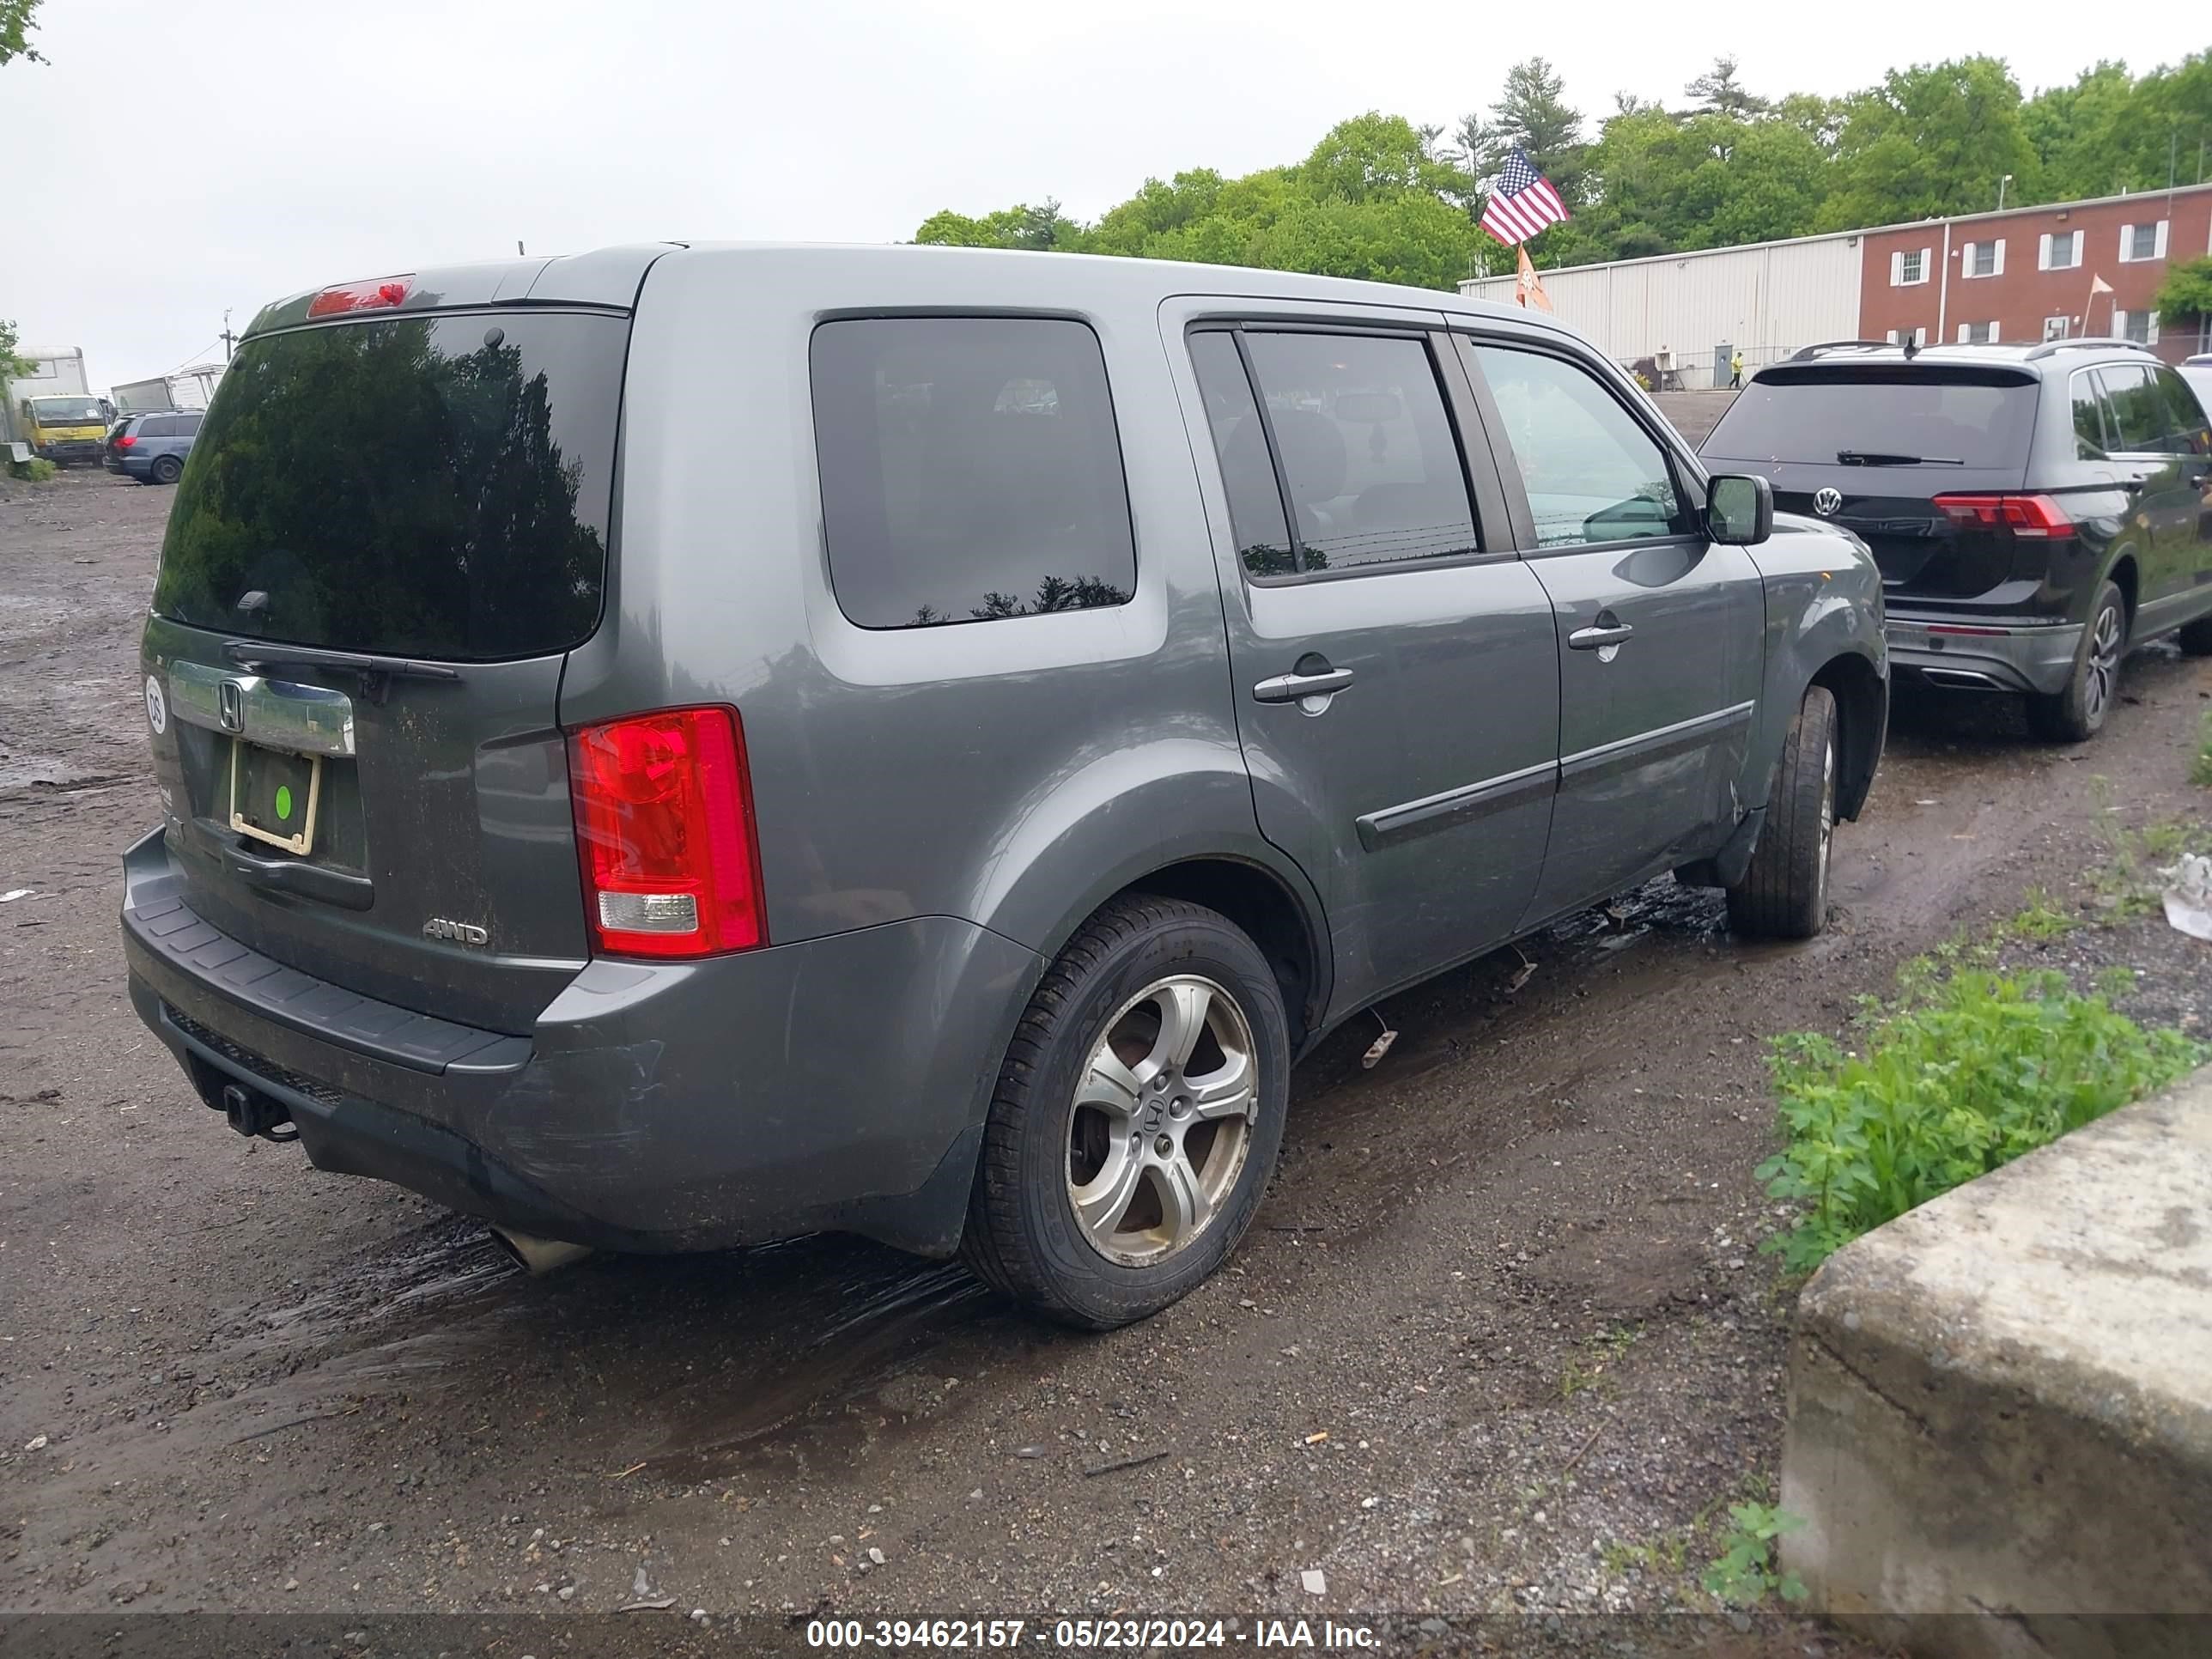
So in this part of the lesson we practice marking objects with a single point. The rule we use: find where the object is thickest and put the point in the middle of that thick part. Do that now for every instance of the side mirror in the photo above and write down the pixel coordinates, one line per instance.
(1740, 510)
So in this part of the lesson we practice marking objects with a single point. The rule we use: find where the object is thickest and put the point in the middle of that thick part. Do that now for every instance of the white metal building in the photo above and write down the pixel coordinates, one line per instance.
(1766, 299)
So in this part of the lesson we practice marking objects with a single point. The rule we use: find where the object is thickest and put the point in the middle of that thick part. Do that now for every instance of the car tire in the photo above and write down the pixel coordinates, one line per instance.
(167, 469)
(1095, 1202)
(2196, 638)
(1784, 893)
(2077, 714)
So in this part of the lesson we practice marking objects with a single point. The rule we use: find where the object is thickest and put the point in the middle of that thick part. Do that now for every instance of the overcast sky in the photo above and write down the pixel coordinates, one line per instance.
(175, 159)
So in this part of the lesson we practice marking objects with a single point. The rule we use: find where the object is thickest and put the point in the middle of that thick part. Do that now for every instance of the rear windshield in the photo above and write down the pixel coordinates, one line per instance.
(1880, 417)
(432, 487)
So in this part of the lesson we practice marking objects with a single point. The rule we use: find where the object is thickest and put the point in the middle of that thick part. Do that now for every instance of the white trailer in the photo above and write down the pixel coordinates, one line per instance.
(188, 388)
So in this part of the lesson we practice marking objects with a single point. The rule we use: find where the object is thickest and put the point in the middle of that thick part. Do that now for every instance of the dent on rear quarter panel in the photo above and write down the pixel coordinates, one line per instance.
(1823, 601)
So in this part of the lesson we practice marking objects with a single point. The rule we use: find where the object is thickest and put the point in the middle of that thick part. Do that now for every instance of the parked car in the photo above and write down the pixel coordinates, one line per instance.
(151, 448)
(2036, 510)
(2197, 371)
(939, 798)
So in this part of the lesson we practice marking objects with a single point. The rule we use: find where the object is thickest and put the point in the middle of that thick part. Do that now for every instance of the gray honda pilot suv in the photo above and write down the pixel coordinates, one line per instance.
(683, 745)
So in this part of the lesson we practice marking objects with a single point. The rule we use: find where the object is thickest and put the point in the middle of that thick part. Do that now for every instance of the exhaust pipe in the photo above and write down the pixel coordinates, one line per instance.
(539, 1256)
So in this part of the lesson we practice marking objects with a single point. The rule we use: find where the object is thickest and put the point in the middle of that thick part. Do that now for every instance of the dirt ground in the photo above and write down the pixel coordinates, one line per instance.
(1500, 1342)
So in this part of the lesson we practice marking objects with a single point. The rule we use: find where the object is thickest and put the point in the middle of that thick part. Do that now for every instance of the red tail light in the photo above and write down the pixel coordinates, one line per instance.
(125, 439)
(665, 830)
(360, 296)
(2024, 515)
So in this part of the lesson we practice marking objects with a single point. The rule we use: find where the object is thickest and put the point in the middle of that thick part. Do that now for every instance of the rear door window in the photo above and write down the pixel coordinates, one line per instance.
(971, 470)
(1880, 415)
(2184, 420)
(433, 487)
(1367, 448)
(159, 426)
(2139, 414)
(1592, 473)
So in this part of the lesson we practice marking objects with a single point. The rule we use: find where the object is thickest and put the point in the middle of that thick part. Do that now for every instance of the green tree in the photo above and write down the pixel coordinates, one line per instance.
(1533, 112)
(2185, 296)
(1931, 140)
(17, 19)
(1717, 92)
(13, 365)
(1041, 228)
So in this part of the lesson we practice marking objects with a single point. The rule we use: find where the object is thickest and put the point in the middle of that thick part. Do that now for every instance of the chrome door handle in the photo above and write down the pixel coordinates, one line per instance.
(1596, 638)
(1294, 688)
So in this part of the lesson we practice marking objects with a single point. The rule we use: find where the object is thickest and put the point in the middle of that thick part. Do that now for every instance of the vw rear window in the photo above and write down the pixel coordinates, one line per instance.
(1969, 417)
(432, 487)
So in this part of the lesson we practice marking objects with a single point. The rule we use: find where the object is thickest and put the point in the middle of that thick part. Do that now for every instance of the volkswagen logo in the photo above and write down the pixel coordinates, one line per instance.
(230, 706)
(1827, 501)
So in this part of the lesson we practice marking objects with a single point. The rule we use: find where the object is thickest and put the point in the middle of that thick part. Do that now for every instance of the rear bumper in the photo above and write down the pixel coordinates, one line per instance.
(836, 1084)
(129, 465)
(1995, 657)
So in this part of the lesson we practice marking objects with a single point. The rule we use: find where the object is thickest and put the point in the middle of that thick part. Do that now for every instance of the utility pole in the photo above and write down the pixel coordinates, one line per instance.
(2002, 183)
(228, 338)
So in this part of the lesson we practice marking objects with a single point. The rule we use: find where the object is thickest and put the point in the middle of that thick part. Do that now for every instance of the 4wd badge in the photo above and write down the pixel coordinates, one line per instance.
(461, 933)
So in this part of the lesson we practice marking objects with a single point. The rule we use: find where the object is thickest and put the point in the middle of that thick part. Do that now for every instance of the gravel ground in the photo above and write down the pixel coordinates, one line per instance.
(1500, 1343)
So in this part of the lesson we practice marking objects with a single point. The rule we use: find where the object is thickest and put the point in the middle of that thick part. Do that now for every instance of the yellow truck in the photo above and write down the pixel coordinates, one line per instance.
(51, 411)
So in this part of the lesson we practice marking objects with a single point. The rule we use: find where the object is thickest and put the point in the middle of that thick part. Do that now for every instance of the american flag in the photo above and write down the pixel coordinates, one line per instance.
(1523, 202)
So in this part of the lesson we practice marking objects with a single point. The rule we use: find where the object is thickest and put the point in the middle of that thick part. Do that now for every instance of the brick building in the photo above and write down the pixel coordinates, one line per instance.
(2024, 273)
(2028, 273)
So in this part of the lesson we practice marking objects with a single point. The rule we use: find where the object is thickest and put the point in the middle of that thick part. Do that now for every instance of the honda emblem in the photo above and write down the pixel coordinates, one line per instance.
(230, 706)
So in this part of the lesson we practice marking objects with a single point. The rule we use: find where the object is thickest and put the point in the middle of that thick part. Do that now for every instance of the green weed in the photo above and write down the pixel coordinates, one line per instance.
(1970, 1068)
(2039, 919)
(2200, 769)
(1748, 1570)
(37, 469)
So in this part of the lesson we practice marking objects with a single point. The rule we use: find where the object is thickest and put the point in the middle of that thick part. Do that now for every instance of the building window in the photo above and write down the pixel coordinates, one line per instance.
(1919, 336)
(2055, 328)
(1977, 333)
(1983, 259)
(2062, 249)
(2141, 242)
(2141, 326)
(1909, 268)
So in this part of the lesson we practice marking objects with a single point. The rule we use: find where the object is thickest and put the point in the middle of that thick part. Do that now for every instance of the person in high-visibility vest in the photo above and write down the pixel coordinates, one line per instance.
(1736, 370)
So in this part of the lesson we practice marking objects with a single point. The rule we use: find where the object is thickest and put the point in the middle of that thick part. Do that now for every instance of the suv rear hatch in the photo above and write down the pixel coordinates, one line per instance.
(394, 529)
(1889, 439)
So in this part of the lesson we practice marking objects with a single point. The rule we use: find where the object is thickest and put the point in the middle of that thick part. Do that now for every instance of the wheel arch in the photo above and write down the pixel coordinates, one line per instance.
(1862, 697)
(1263, 904)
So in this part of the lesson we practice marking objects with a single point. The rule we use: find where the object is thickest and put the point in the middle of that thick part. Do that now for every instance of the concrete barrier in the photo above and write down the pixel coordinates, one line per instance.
(2001, 1404)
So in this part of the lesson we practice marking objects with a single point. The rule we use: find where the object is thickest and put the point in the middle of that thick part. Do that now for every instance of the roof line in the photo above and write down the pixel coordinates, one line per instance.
(1863, 230)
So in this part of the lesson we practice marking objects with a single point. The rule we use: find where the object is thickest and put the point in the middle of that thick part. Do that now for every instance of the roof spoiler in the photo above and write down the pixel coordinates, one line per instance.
(1808, 354)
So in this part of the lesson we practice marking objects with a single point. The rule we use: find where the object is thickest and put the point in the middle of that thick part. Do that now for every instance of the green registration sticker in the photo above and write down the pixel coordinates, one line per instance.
(284, 803)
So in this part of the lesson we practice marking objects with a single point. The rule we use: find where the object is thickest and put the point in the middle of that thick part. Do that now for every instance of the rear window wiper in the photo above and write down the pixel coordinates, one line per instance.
(376, 673)
(1882, 457)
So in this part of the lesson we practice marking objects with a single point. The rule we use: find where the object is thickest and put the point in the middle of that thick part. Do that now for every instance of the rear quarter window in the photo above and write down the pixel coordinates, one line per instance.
(971, 468)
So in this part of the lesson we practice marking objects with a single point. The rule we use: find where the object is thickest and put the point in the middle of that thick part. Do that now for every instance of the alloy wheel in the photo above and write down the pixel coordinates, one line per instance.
(2104, 665)
(1161, 1120)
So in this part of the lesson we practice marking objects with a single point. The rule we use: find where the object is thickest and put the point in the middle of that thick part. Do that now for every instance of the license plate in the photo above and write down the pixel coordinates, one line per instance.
(274, 795)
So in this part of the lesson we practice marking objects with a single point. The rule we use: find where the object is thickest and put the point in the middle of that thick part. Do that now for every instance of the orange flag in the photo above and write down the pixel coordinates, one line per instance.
(1527, 289)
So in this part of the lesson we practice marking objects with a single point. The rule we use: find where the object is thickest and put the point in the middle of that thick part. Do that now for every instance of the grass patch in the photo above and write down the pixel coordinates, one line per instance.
(37, 469)
(1587, 1371)
(2038, 919)
(2200, 769)
(1966, 1070)
(2127, 883)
